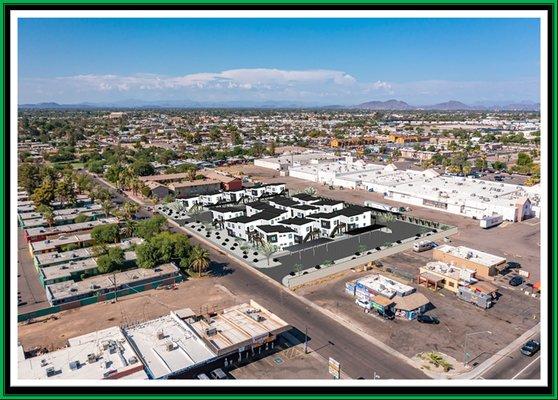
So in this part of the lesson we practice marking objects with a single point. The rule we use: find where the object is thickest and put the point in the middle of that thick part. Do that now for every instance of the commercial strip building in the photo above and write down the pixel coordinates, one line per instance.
(166, 347)
(484, 264)
(440, 275)
(104, 354)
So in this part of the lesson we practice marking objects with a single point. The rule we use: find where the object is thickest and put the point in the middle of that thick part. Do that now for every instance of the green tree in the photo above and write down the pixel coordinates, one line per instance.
(148, 228)
(111, 261)
(147, 255)
(104, 234)
(65, 191)
(142, 168)
(81, 218)
(48, 213)
(268, 250)
(44, 194)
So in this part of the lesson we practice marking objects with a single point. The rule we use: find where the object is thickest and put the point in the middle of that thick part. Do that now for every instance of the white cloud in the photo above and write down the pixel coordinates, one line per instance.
(321, 85)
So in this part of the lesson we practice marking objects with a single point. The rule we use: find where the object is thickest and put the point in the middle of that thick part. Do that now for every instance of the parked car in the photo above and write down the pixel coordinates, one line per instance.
(218, 374)
(516, 280)
(202, 376)
(530, 348)
(514, 265)
(386, 314)
(428, 319)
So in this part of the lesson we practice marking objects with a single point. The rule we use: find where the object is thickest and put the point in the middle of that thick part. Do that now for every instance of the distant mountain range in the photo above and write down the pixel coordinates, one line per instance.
(388, 105)
(451, 105)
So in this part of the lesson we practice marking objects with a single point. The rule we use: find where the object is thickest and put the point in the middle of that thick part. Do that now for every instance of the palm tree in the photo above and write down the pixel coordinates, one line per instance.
(48, 214)
(130, 209)
(310, 190)
(199, 259)
(129, 228)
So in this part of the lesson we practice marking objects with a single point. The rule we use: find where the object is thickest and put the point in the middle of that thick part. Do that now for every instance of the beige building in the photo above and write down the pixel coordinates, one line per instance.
(439, 275)
(484, 264)
(195, 188)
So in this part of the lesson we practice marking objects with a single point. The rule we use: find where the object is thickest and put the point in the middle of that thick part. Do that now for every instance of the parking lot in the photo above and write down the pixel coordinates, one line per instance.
(512, 315)
(289, 362)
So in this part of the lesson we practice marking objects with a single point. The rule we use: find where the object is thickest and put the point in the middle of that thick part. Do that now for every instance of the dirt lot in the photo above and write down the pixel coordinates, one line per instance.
(198, 294)
(513, 314)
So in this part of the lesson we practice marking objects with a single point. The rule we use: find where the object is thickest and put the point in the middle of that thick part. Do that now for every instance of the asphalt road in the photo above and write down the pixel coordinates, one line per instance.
(515, 366)
(357, 356)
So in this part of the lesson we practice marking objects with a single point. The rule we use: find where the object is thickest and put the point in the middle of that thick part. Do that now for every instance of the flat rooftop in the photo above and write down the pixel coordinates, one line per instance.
(68, 269)
(82, 226)
(97, 355)
(46, 259)
(238, 325)
(450, 271)
(50, 244)
(132, 277)
(472, 255)
(385, 286)
(167, 346)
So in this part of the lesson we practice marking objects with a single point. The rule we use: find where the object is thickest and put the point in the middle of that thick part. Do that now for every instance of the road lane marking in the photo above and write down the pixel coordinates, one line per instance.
(528, 365)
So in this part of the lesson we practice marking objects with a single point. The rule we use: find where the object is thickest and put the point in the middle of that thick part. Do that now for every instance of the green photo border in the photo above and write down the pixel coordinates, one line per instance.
(552, 209)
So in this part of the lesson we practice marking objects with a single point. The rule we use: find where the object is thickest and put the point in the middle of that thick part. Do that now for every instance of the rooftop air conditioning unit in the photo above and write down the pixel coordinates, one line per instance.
(170, 346)
(160, 334)
(50, 371)
(132, 360)
(91, 358)
(211, 331)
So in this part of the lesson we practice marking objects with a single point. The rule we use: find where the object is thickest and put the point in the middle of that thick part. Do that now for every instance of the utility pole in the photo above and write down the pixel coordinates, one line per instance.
(115, 292)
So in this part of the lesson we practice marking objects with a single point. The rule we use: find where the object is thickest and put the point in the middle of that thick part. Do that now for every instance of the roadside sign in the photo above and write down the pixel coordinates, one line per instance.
(334, 368)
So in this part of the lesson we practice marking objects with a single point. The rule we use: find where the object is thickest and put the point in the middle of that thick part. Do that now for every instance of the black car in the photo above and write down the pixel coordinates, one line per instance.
(530, 348)
(386, 314)
(516, 280)
(428, 319)
(513, 265)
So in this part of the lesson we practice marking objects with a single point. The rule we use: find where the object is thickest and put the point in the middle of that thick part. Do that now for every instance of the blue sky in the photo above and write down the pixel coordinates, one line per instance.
(322, 61)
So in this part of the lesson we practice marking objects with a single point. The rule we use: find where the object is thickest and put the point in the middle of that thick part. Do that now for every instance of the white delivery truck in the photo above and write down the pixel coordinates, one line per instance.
(489, 222)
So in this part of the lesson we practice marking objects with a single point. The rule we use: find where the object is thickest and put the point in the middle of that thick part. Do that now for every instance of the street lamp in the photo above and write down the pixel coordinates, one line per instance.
(466, 355)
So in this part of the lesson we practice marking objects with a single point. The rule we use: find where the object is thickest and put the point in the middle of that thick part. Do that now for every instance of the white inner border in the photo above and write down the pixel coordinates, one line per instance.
(541, 15)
